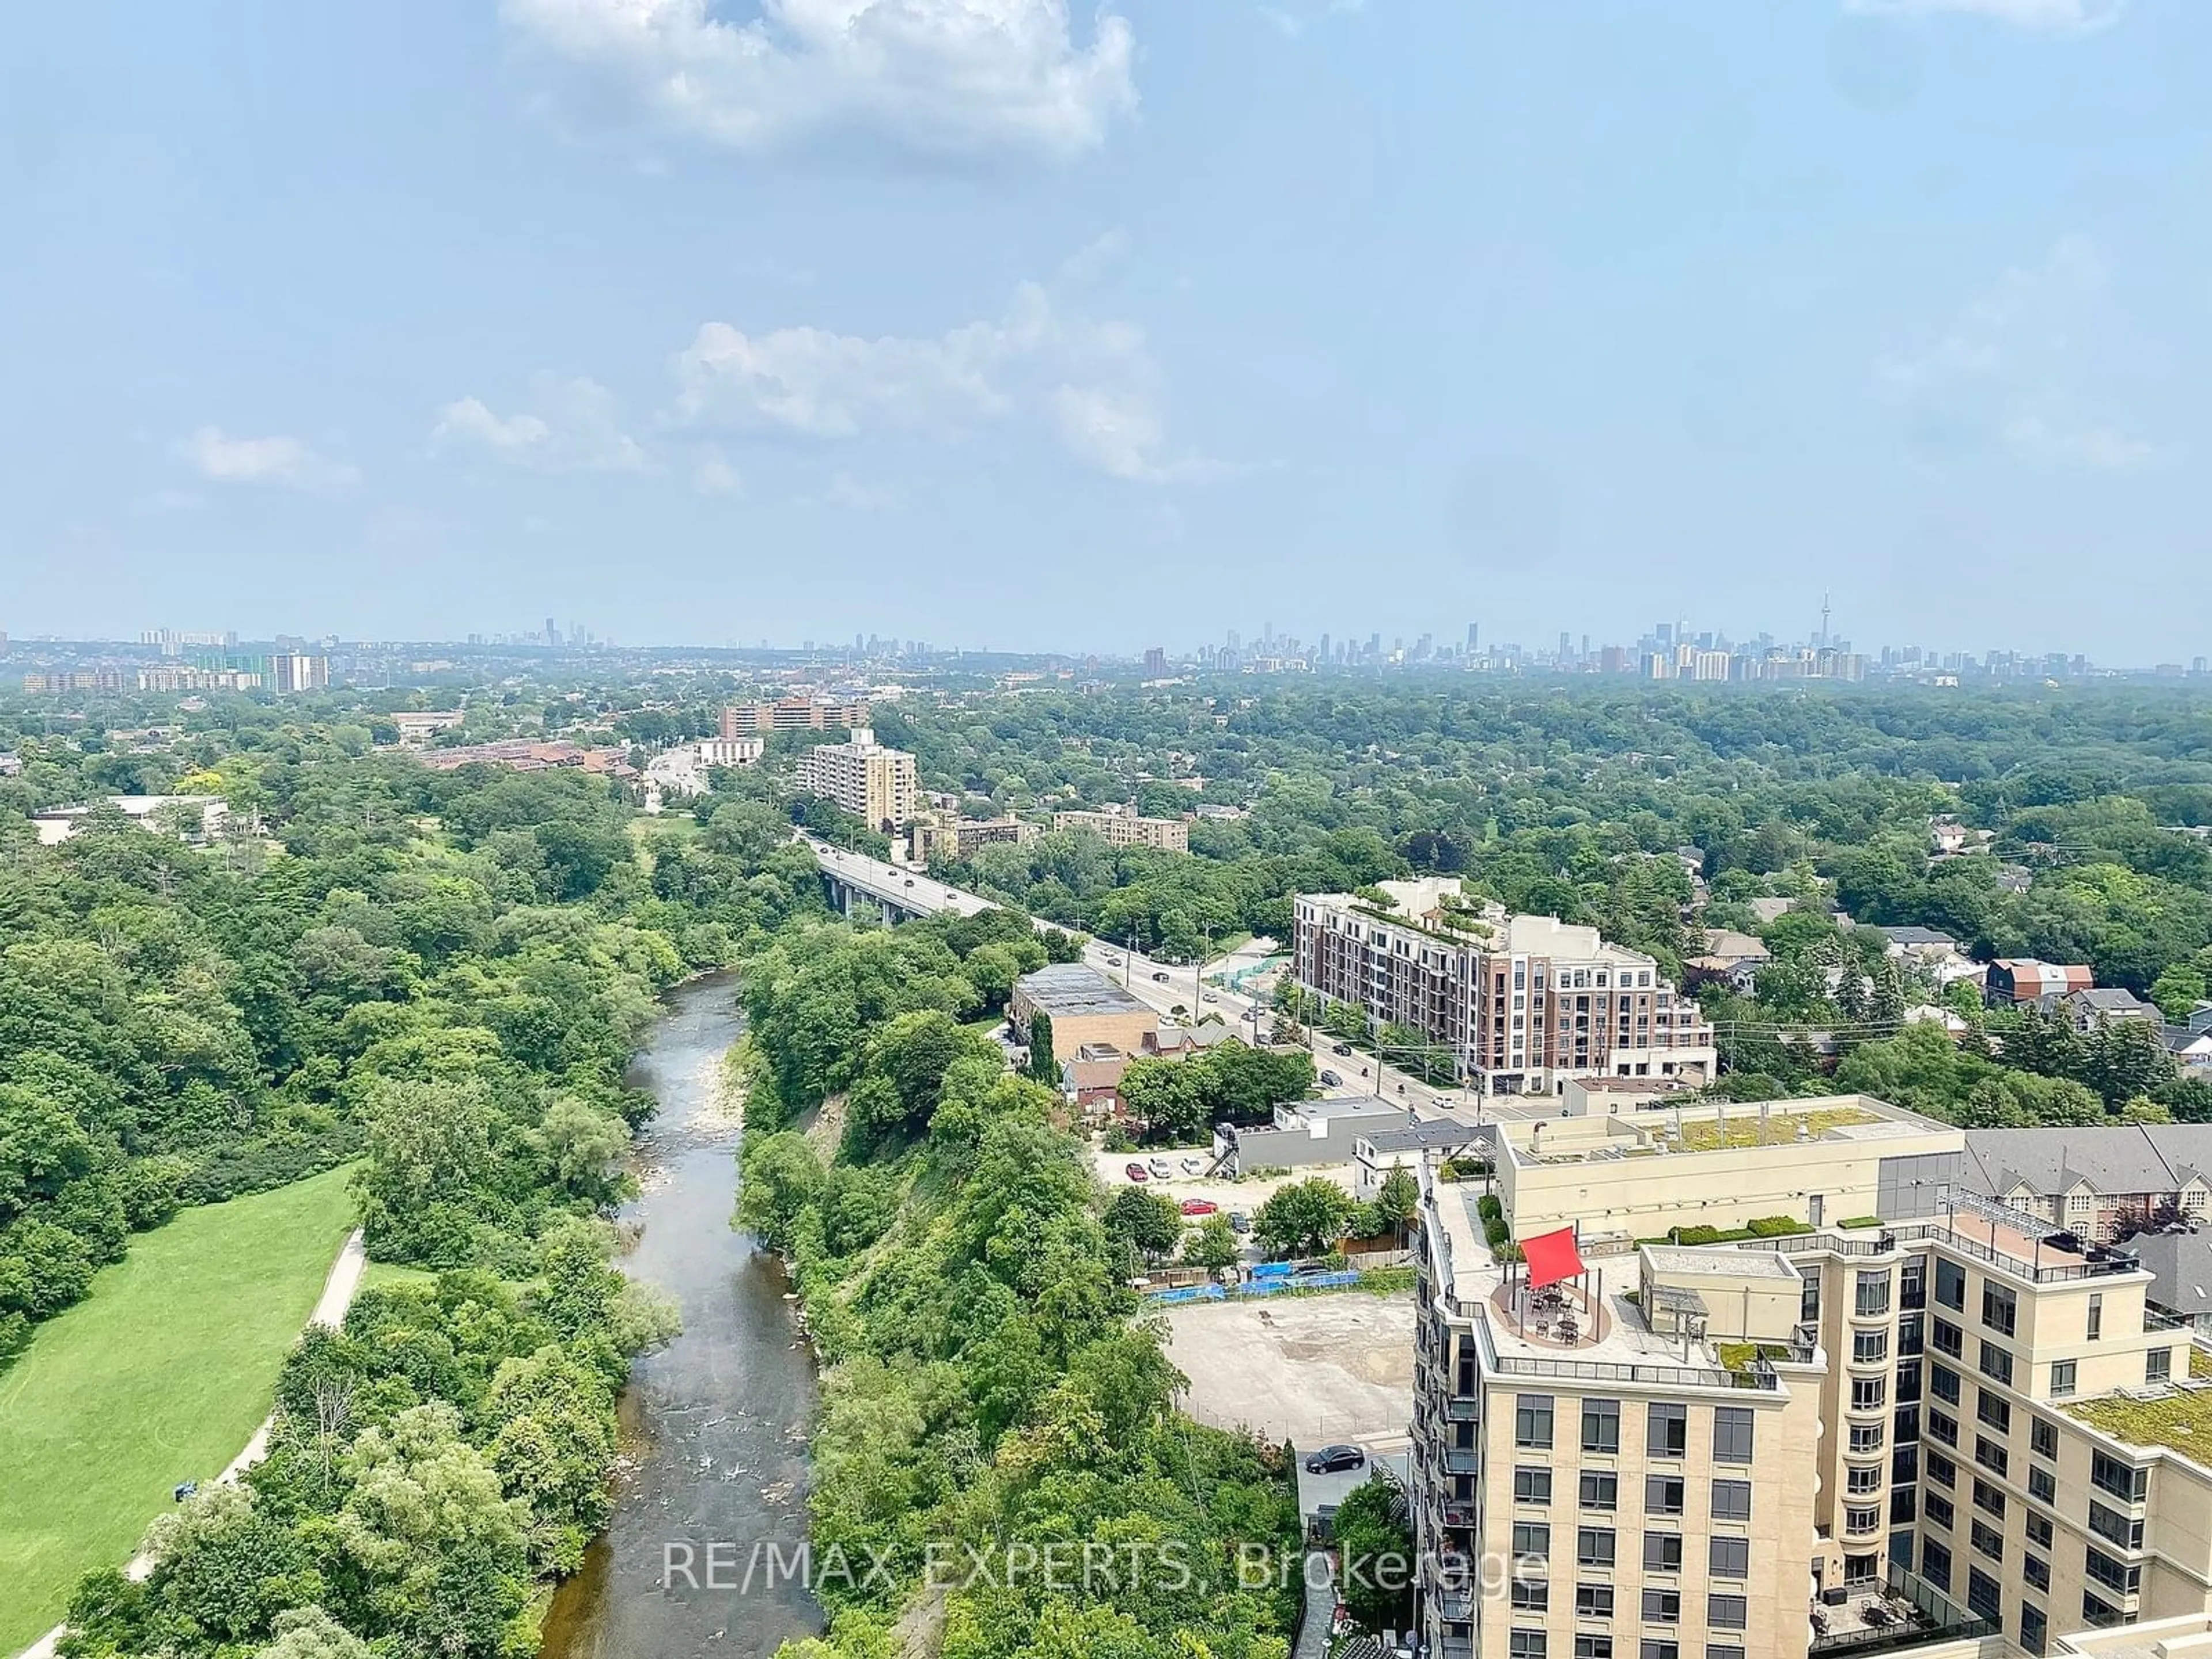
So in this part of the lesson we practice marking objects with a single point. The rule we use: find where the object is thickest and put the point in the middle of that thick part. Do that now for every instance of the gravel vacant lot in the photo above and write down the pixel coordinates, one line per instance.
(1311, 1369)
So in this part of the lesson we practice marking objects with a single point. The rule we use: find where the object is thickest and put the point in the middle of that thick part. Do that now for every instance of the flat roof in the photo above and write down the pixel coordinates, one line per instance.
(1070, 988)
(1690, 1260)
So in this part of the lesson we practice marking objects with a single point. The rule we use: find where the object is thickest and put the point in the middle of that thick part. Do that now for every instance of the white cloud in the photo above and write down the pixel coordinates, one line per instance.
(714, 476)
(1092, 384)
(2006, 366)
(944, 77)
(290, 462)
(569, 426)
(2060, 17)
(850, 493)
(1286, 24)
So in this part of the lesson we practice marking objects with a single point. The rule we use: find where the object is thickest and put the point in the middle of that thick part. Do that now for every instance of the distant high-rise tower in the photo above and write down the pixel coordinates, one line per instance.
(1472, 635)
(552, 634)
(1823, 640)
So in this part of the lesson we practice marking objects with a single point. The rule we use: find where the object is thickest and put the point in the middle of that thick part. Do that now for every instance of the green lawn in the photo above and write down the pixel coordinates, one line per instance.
(161, 1375)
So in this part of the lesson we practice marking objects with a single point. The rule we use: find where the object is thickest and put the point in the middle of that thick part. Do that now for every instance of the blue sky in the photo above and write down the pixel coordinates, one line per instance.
(1006, 323)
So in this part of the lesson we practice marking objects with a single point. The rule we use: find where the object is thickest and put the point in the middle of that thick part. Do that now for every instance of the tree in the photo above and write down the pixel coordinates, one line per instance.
(1149, 1223)
(1042, 1067)
(1375, 1543)
(2177, 991)
(1303, 1219)
(1213, 1246)
(1398, 1201)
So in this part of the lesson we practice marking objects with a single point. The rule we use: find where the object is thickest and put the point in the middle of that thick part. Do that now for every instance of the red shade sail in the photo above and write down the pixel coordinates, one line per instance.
(1552, 1257)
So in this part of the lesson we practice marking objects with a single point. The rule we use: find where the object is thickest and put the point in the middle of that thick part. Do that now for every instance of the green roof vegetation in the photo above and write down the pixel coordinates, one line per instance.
(2181, 1421)
(1739, 1356)
(1744, 1129)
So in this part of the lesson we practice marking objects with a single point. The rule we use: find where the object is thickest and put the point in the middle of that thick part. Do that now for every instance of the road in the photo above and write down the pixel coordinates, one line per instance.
(1167, 986)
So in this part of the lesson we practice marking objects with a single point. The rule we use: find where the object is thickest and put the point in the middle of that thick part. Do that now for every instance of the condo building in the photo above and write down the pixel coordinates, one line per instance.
(1522, 1003)
(745, 719)
(1876, 1413)
(880, 787)
(1123, 826)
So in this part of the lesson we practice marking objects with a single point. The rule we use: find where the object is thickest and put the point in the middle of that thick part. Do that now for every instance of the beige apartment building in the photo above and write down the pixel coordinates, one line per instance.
(1926, 1424)
(1522, 1003)
(1121, 826)
(946, 835)
(745, 719)
(880, 787)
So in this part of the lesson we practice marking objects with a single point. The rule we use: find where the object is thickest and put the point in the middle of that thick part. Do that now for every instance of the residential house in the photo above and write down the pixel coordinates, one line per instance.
(2104, 1006)
(1939, 955)
(1306, 1134)
(2095, 1183)
(1770, 909)
(2191, 1049)
(2180, 1266)
(2022, 979)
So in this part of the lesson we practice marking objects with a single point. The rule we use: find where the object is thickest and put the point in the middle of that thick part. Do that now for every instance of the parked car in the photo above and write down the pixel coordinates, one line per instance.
(1162, 1170)
(1239, 1222)
(1136, 1172)
(1199, 1207)
(1192, 1165)
(1161, 974)
(1331, 1458)
(1252, 1014)
(1342, 1051)
(1330, 1079)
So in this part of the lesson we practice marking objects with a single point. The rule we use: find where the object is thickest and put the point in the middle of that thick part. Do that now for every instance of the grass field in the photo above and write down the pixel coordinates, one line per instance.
(161, 1375)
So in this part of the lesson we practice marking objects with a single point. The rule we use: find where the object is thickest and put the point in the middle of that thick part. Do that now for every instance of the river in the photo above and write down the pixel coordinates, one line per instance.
(714, 1424)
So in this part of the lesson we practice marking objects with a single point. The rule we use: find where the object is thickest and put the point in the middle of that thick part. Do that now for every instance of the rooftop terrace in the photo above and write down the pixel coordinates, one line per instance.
(2179, 1418)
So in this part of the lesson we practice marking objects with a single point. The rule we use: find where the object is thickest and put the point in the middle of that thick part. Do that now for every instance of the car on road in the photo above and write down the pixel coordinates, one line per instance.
(1331, 1080)
(1209, 997)
(1113, 961)
(1200, 1206)
(1136, 1172)
(1161, 1169)
(1239, 1222)
(1342, 1051)
(1330, 1460)
(1252, 1014)
(909, 881)
(1161, 974)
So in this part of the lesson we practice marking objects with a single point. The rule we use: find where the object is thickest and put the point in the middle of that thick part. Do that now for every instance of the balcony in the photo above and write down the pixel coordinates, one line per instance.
(1462, 1409)
(1457, 1461)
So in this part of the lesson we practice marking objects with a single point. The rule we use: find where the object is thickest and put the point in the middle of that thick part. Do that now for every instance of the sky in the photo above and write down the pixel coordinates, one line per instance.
(1028, 325)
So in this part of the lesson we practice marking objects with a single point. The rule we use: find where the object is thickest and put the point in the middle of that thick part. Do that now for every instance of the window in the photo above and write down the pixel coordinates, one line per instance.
(2158, 1365)
(2039, 1531)
(2036, 1571)
(1943, 1427)
(1524, 1644)
(1905, 1464)
(1601, 1426)
(1593, 1546)
(1941, 1470)
(1904, 1504)
(1937, 1508)
(1662, 1551)
(1908, 1425)
(1728, 1558)
(1532, 1486)
(1667, 1434)
(1593, 1647)
(1862, 1478)
(1723, 1650)
(1727, 1611)
(1989, 1499)
(1990, 1453)
(2115, 1528)
(1994, 1410)
(1873, 1292)
(1731, 1500)
(1911, 1335)
(1988, 1540)
(1947, 1338)
(2109, 1572)
(1662, 1606)
(1656, 1647)
(1908, 1381)
(1951, 1285)
(2124, 1480)
(1912, 1284)
(1935, 1564)
(1663, 1494)
(2096, 1315)
(1532, 1538)
(1866, 1437)
(1600, 1489)
(2043, 1437)
(1862, 1518)
(1996, 1362)
(1732, 1433)
(1982, 1594)
(2097, 1611)
(1870, 1348)
(2034, 1628)
(2043, 1487)
(1532, 1594)
(1943, 1383)
(1808, 1303)
(1869, 1394)
(1532, 1420)
(2062, 1372)
(1999, 1309)
(1593, 1600)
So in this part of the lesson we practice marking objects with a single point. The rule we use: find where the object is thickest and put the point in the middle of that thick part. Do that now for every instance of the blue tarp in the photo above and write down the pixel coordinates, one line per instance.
(1265, 1281)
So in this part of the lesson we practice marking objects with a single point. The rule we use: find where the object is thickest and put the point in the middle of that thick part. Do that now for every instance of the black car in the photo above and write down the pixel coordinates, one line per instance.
(1342, 1050)
(1331, 1458)
(1161, 976)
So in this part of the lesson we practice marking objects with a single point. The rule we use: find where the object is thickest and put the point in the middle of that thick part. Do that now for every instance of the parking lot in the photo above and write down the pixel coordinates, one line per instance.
(1247, 1195)
(1312, 1369)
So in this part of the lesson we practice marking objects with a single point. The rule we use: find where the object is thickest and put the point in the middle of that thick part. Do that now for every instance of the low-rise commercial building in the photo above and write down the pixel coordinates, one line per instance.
(416, 728)
(1087, 1009)
(1520, 1004)
(880, 787)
